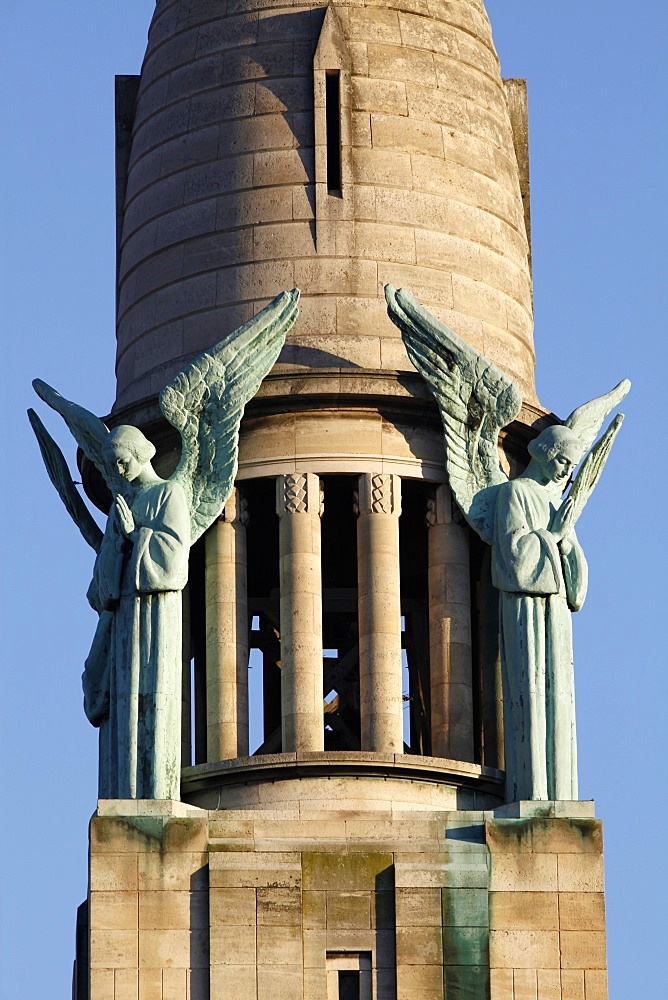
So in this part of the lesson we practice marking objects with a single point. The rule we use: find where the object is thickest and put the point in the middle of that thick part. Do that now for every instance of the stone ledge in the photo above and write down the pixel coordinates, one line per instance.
(559, 809)
(353, 764)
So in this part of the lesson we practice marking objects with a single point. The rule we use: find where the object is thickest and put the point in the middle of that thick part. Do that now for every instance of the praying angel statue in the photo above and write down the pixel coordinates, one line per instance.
(132, 676)
(538, 565)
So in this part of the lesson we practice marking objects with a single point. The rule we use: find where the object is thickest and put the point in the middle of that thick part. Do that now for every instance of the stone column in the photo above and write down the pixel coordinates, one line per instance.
(379, 611)
(299, 507)
(227, 633)
(449, 631)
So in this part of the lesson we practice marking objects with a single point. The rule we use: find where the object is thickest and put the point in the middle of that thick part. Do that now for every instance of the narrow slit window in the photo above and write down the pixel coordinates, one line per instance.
(333, 121)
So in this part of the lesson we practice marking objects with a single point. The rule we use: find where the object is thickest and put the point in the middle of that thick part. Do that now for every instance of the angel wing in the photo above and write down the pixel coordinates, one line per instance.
(88, 431)
(476, 400)
(205, 402)
(59, 474)
(590, 471)
(586, 420)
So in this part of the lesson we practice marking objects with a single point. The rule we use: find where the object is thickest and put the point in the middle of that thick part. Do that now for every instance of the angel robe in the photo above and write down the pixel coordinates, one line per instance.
(132, 681)
(539, 587)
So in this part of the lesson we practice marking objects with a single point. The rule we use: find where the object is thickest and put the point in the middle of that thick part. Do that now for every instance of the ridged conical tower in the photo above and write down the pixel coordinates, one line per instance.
(357, 842)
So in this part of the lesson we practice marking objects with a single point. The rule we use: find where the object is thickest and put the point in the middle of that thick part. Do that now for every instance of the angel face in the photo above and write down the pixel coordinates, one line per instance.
(129, 467)
(560, 466)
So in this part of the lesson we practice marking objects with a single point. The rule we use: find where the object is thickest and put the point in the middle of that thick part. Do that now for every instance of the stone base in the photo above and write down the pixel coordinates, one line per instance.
(504, 904)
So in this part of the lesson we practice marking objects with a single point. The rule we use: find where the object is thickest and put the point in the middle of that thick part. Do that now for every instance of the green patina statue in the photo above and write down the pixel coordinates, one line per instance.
(132, 677)
(537, 563)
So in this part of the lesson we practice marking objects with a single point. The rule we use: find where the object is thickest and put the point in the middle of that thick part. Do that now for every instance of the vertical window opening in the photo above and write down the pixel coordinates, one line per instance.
(349, 985)
(341, 705)
(333, 122)
(415, 617)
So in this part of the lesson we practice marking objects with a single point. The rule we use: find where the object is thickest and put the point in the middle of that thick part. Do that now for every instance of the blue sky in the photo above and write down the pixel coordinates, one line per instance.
(597, 98)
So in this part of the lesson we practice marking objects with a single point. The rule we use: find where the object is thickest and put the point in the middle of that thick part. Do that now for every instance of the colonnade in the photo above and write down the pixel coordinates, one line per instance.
(299, 507)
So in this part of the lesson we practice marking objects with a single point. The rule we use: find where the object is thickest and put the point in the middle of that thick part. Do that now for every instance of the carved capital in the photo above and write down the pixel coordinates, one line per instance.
(439, 507)
(442, 508)
(379, 493)
(235, 509)
(299, 493)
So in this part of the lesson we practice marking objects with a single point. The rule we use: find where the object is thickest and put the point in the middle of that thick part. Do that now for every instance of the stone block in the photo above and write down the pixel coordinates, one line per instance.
(113, 872)
(314, 910)
(180, 949)
(271, 242)
(277, 983)
(174, 984)
(501, 984)
(116, 949)
(380, 96)
(572, 984)
(381, 26)
(440, 250)
(580, 873)
(114, 910)
(581, 910)
(549, 984)
(187, 870)
(348, 910)
(399, 62)
(336, 276)
(281, 166)
(382, 167)
(418, 908)
(583, 949)
(150, 984)
(178, 910)
(419, 872)
(228, 829)
(279, 907)
(523, 873)
(436, 106)
(465, 946)
(525, 984)
(385, 242)
(409, 135)
(339, 872)
(545, 836)
(126, 984)
(596, 984)
(232, 907)
(217, 250)
(277, 946)
(479, 299)
(419, 982)
(515, 949)
(465, 908)
(524, 910)
(255, 870)
(314, 946)
(238, 981)
(419, 946)
(233, 944)
(101, 984)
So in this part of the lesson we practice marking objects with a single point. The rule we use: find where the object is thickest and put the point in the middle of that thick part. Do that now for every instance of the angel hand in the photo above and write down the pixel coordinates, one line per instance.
(124, 518)
(562, 522)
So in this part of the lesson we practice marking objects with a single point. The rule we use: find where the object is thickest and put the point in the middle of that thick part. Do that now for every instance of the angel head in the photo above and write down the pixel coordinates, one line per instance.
(129, 451)
(556, 451)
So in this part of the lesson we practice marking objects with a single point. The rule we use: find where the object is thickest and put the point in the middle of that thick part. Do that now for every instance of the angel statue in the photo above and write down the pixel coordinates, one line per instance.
(132, 676)
(537, 563)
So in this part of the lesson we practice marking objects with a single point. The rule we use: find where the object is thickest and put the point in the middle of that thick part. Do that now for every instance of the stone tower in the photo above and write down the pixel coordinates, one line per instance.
(362, 846)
